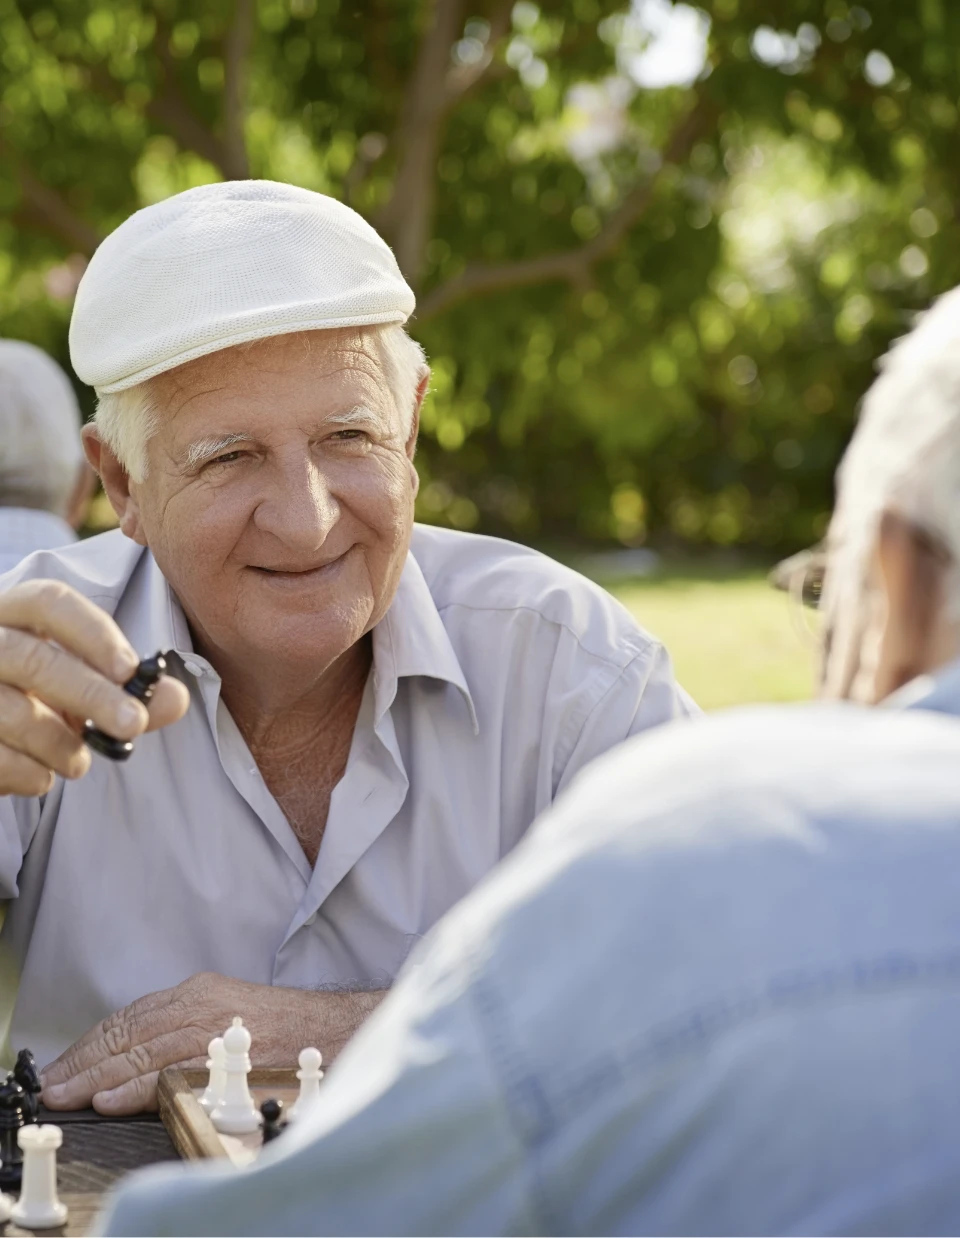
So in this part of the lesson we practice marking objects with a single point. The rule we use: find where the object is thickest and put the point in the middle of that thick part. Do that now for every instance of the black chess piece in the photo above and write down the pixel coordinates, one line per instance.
(141, 686)
(272, 1112)
(12, 1118)
(26, 1074)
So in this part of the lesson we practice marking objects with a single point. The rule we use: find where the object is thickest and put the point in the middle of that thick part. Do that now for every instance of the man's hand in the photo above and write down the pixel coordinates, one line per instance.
(115, 1065)
(48, 690)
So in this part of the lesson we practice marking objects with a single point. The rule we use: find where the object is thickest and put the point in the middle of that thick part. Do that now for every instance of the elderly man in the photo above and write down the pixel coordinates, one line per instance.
(377, 712)
(717, 990)
(45, 482)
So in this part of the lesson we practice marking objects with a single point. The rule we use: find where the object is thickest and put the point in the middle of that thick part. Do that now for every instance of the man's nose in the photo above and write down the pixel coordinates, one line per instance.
(300, 509)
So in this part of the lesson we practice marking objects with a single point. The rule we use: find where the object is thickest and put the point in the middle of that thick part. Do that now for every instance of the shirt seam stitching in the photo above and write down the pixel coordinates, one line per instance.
(651, 643)
(514, 1078)
(596, 706)
(705, 1025)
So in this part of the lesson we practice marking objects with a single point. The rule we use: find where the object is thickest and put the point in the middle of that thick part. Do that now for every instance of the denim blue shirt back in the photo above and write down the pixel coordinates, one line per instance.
(716, 990)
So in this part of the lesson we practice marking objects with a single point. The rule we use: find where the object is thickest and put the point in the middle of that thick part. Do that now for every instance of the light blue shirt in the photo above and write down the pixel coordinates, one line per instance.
(26, 529)
(497, 676)
(716, 990)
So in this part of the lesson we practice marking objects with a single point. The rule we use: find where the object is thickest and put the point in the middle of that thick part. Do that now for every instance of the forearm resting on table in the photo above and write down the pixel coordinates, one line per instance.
(339, 1014)
(115, 1065)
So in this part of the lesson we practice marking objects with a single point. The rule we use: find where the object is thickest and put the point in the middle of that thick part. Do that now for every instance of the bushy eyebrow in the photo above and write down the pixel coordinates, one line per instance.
(207, 448)
(357, 418)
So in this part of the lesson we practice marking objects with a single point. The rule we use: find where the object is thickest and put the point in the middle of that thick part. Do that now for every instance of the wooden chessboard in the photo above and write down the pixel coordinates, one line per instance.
(98, 1151)
(193, 1134)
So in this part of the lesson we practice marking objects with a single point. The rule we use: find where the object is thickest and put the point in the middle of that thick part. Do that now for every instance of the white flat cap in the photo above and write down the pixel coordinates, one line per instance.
(221, 265)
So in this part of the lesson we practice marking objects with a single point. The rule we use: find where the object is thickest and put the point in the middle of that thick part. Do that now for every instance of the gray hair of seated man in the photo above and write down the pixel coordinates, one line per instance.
(904, 456)
(40, 430)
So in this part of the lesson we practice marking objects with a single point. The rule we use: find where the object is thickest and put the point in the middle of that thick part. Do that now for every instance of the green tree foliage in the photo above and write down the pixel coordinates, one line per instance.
(654, 324)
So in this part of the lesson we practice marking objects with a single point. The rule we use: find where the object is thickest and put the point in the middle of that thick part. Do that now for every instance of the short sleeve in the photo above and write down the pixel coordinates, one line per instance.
(643, 695)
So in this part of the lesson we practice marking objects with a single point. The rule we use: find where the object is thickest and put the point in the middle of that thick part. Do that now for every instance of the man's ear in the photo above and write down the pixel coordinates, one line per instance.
(80, 498)
(423, 386)
(917, 637)
(116, 483)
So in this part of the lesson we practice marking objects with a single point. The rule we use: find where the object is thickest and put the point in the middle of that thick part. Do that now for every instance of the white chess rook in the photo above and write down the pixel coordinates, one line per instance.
(309, 1075)
(235, 1113)
(216, 1064)
(38, 1206)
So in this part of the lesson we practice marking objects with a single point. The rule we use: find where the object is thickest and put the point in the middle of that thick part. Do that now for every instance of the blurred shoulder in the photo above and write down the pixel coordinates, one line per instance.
(97, 567)
(488, 574)
(760, 769)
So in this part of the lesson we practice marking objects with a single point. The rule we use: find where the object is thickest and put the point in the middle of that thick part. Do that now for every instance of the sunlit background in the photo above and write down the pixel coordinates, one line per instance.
(657, 247)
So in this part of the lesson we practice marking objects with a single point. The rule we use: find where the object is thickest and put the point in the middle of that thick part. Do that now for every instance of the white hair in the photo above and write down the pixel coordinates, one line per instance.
(127, 419)
(40, 430)
(905, 453)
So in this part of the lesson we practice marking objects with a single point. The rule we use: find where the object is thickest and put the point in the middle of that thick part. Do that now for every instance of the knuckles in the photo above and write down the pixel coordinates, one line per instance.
(141, 1059)
(116, 1038)
(35, 657)
(200, 986)
(21, 777)
(43, 594)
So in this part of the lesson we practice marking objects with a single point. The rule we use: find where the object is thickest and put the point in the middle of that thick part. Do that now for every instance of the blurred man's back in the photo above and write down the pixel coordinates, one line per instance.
(44, 480)
(717, 988)
(716, 991)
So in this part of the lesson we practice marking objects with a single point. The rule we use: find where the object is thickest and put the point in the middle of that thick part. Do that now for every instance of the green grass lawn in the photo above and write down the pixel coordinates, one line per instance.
(731, 635)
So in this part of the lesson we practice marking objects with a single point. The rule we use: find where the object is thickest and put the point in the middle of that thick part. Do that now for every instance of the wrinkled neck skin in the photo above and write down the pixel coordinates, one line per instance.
(277, 707)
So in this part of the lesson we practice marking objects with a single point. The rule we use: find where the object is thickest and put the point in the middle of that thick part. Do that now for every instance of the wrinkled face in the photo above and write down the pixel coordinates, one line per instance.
(279, 495)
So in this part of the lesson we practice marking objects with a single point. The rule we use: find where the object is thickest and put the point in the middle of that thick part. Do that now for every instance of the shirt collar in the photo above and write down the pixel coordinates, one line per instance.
(939, 692)
(409, 641)
(154, 620)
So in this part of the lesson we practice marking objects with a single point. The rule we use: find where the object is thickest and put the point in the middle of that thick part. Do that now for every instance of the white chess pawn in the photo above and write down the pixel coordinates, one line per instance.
(309, 1075)
(216, 1064)
(235, 1112)
(38, 1206)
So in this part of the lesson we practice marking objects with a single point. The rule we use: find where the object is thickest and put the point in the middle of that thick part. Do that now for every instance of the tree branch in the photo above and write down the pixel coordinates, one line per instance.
(169, 109)
(46, 205)
(408, 215)
(235, 165)
(463, 78)
(573, 265)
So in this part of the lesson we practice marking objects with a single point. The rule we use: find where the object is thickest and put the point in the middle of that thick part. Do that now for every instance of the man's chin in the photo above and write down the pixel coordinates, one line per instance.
(305, 636)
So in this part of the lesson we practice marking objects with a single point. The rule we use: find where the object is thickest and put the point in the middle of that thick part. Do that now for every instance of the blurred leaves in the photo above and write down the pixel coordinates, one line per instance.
(651, 310)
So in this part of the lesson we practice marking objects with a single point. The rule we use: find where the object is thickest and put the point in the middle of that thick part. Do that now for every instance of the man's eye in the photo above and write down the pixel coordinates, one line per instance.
(228, 457)
(349, 436)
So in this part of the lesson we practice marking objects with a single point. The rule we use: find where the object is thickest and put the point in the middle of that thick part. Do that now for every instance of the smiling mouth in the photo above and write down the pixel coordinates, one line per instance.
(300, 573)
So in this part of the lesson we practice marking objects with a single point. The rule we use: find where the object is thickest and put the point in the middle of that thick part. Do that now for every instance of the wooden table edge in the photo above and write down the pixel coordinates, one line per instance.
(192, 1133)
